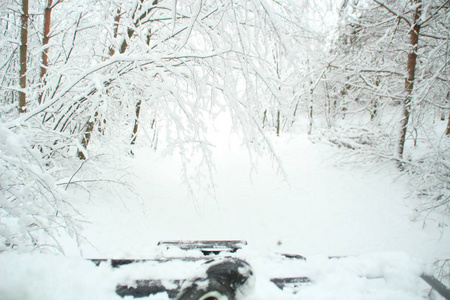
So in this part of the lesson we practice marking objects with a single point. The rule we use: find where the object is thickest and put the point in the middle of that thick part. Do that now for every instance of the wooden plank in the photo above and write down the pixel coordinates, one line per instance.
(206, 246)
(291, 282)
(115, 263)
(145, 288)
(293, 256)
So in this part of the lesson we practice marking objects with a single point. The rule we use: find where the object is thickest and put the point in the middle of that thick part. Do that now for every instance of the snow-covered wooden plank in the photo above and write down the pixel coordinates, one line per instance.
(206, 246)
(115, 263)
(290, 282)
(145, 288)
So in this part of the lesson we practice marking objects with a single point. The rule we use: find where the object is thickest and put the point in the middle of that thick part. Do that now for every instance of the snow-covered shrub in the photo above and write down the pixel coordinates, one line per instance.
(430, 178)
(427, 165)
(367, 143)
(34, 210)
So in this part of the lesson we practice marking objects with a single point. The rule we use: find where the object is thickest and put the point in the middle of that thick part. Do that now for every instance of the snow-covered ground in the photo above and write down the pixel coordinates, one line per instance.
(320, 207)
(323, 206)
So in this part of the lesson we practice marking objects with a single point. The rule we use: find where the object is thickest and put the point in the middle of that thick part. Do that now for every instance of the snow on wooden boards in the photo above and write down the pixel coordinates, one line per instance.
(206, 246)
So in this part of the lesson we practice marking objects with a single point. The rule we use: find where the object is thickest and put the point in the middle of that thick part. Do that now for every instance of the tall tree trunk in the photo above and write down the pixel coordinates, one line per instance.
(264, 118)
(310, 112)
(115, 31)
(139, 102)
(155, 134)
(23, 57)
(410, 77)
(447, 131)
(123, 47)
(374, 109)
(278, 123)
(90, 125)
(86, 138)
(136, 122)
(374, 102)
(45, 42)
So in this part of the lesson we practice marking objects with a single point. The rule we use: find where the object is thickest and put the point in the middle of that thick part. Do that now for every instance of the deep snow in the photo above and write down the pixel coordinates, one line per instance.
(321, 207)
(325, 206)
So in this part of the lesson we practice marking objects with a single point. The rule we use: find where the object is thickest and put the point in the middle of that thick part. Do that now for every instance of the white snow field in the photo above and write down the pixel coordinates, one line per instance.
(322, 207)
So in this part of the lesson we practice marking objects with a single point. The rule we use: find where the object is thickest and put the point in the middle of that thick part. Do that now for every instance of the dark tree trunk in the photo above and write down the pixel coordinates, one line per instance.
(123, 47)
(91, 123)
(278, 123)
(23, 57)
(264, 118)
(115, 31)
(310, 112)
(447, 131)
(86, 138)
(374, 108)
(136, 122)
(409, 81)
(45, 42)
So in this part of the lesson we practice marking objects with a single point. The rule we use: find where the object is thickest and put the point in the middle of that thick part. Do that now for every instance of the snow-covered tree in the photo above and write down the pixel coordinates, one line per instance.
(105, 72)
(390, 67)
(88, 76)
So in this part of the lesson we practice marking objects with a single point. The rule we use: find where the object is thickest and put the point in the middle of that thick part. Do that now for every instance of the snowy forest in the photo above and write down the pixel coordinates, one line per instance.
(85, 83)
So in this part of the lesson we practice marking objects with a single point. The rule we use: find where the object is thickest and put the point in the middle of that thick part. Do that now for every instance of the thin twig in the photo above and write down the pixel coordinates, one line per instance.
(73, 175)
